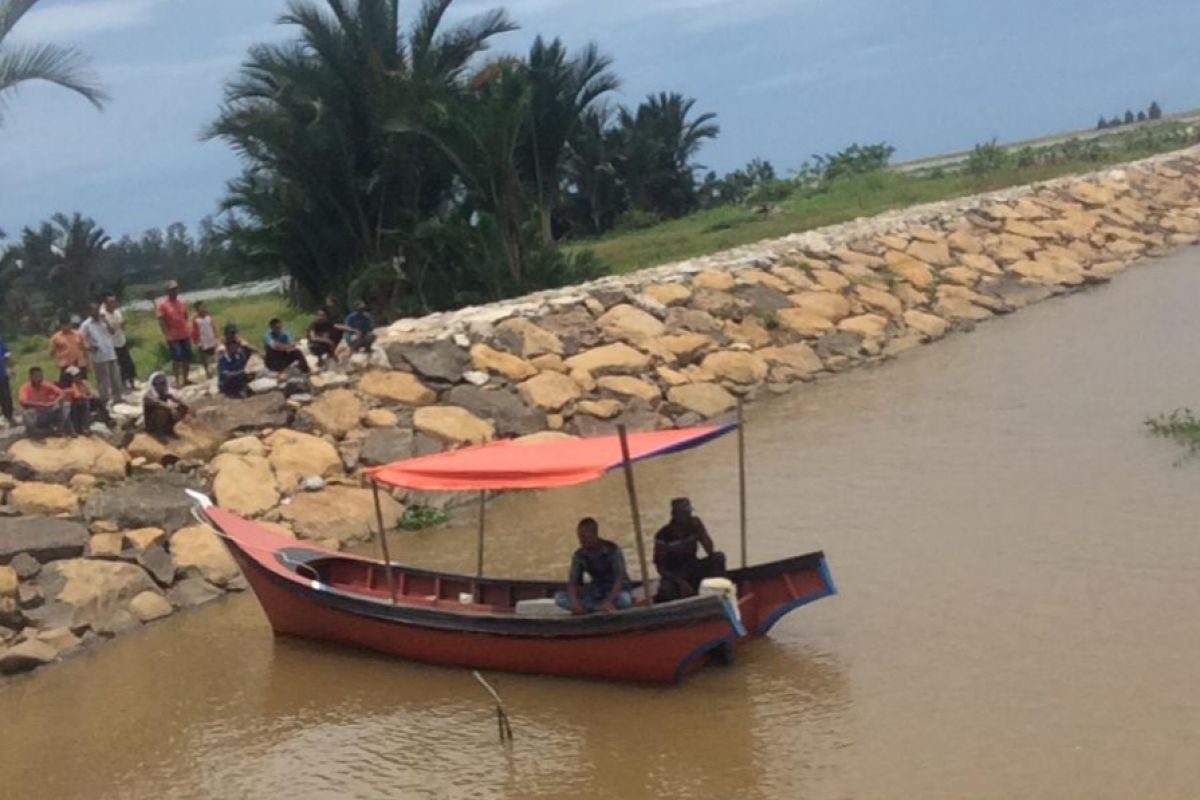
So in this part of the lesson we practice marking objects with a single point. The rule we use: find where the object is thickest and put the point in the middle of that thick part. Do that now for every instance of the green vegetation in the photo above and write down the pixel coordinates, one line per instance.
(418, 518)
(23, 63)
(1181, 426)
(816, 202)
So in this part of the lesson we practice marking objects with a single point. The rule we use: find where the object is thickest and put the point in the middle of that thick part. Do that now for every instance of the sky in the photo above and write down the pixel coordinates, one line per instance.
(787, 79)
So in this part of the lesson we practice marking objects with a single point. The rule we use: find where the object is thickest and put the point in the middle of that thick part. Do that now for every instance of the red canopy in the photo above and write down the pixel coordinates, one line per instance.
(511, 464)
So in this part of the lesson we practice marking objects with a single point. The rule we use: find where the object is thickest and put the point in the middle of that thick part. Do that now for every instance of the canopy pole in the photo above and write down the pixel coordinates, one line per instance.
(633, 507)
(741, 454)
(479, 553)
(387, 558)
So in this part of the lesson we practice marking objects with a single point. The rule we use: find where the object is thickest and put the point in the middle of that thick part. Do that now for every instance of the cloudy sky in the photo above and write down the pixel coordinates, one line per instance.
(788, 78)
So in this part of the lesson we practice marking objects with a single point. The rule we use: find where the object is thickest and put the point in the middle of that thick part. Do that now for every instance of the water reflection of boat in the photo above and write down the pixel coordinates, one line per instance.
(474, 621)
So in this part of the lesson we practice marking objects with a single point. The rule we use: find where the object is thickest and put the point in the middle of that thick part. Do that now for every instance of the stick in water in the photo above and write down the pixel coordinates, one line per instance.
(506, 734)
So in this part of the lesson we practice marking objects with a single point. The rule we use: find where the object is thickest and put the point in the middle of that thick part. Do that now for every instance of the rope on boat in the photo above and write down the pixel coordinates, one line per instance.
(505, 729)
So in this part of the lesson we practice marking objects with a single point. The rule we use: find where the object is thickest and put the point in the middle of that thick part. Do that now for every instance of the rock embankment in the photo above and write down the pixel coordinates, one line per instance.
(95, 534)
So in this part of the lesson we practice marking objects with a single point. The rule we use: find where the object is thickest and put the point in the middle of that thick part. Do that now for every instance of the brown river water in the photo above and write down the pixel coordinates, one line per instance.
(1019, 567)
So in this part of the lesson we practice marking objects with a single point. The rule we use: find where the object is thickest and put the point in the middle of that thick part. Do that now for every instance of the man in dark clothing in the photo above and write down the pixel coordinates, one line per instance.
(323, 336)
(232, 378)
(675, 558)
(359, 328)
(602, 562)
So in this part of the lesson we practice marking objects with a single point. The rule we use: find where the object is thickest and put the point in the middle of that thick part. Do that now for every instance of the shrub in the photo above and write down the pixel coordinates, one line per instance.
(987, 157)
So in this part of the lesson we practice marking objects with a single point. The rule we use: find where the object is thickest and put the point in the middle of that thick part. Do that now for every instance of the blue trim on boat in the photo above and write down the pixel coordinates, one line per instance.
(827, 576)
(734, 619)
(707, 647)
(803, 600)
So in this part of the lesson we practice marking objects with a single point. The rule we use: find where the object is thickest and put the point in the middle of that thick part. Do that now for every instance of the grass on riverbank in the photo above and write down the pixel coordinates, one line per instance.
(146, 344)
(1181, 426)
(861, 196)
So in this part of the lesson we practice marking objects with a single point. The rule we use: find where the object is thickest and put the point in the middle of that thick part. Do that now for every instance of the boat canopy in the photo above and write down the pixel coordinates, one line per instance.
(537, 464)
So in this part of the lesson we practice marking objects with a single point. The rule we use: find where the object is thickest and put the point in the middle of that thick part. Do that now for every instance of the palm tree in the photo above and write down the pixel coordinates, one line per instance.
(329, 192)
(562, 89)
(20, 63)
(658, 142)
(592, 170)
(78, 245)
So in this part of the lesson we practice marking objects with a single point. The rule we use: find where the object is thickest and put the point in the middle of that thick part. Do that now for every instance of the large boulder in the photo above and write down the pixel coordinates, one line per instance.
(149, 606)
(244, 484)
(629, 386)
(792, 362)
(43, 499)
(705, 399)
(337, 412)
(27, 655)
(95, 592)
(629, 323)
(342, 513)
(549, 391)
(734, 366)
(296, 455)
(227, 416)
(154, 501)
(617, 357)
(527, 339)
(828, 305)
(197, 547)
(59, 459)
(41, 538)
(442, 360)
(503, 409)
(385, 445)
(489, 359)
(453, 424)
(396, 387)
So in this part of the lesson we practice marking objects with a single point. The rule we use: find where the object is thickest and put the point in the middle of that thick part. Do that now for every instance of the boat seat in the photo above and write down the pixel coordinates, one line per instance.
(540, 607)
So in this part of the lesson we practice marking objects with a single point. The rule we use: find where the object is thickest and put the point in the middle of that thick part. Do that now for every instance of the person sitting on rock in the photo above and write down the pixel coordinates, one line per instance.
(675, 547)
(162, 407)
(81, 400)
(603, 563)
(232, 378)
(324, 336)
(359, 328)
(281, 352)
(42, 406)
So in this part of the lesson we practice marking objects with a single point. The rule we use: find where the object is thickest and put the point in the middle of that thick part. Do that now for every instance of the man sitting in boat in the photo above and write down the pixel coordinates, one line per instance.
(602, 562)
(675, 554)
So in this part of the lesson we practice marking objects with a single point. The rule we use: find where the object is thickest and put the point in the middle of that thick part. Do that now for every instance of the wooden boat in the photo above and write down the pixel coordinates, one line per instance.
(481, 622)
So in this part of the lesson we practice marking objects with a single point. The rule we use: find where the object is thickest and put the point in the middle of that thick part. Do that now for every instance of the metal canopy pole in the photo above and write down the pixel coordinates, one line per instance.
(633, 507)
(741, 452)
(387, 558)
(479, 555)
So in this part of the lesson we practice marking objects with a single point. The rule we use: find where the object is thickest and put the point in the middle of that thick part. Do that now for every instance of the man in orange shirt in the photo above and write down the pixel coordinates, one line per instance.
(42, 405)
(80, 399)
(68, 350)
(172, 313)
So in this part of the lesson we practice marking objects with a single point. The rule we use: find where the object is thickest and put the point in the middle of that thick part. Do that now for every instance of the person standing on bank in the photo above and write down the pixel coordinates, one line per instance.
(675, 547)
(172, 313)
(114, 317)
(98, 339)
(68, 350)
(204, 336)
(6, 404)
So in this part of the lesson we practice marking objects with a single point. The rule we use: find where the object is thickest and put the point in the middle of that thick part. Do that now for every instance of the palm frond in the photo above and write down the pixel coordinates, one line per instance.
(62, 66)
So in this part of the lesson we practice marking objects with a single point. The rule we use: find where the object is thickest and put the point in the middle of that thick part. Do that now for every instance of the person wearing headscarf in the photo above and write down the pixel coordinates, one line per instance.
(162, 407)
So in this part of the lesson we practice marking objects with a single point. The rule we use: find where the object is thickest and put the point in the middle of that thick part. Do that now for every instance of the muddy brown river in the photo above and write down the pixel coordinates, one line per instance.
(1019, 566)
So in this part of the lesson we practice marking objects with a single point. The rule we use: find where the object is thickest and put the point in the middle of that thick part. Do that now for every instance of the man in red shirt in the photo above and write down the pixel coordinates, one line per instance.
(68, 349)
(172, 313)
(42, 405)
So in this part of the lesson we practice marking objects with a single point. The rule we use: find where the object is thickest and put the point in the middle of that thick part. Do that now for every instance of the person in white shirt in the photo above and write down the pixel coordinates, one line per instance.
(114, 317)
(204, 336)
(103, 355)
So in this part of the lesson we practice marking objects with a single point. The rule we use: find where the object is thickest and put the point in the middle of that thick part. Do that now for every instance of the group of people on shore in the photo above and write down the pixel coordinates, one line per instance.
(599, 581)
(97, 346)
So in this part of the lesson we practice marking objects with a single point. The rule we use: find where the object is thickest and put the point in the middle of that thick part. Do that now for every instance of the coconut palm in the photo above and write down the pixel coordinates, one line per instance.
(658, 142)
(78, 245)
(328, 192)
(21, 63)
(562, 89)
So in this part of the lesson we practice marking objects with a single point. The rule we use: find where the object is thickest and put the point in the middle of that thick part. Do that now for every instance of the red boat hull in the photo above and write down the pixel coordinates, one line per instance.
(428, 623)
